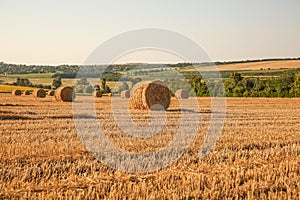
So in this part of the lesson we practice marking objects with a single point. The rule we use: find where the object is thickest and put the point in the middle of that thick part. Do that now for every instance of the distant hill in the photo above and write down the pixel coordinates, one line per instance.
(262, 65)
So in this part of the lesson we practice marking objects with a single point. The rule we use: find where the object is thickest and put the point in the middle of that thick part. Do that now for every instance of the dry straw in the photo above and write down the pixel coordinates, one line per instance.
(65, 94)
(97, 94)
(125, 94)
(39, 93)
(182, 94)
(26, 92)
(16, 92)
(150, 95)
(51, 93)
(110, 94)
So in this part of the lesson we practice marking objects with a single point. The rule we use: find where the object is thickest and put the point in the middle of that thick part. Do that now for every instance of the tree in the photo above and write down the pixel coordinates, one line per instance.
(88, 89)
(236, 76)
(104, 86)
(121, 87)
(23, 82)
(97, 87)
(125, 86)
(286, 82)
(79, 88)
(199, 86)
(56, 83)
(135, 81)
(82, 81)
(295, 90)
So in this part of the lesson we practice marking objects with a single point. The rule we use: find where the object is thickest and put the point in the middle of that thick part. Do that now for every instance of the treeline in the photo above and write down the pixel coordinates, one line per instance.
(6, 69)
(285, 85)
(27, 82)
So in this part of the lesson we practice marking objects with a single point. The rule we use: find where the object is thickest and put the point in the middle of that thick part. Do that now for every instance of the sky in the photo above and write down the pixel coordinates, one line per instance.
(53, 32)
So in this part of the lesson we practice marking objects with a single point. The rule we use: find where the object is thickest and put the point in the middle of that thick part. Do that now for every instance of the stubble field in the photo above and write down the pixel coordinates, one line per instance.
(256, 157)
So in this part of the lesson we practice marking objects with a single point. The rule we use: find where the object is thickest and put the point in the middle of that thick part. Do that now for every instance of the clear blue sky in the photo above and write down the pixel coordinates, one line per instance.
(66, 31)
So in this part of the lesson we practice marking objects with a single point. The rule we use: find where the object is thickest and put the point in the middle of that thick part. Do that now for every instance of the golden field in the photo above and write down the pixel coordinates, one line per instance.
(257, 156)
(10, 88)
(265, 65)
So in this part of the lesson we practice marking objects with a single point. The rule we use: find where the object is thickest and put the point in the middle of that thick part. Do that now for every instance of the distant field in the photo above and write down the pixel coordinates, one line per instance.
(36, 75)
(43, 78)
(285, 64)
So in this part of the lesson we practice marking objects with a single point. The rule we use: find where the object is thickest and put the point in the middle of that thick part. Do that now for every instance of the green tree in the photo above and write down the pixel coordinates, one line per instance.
(235, 86)
(236, 76)
(199, 86)
(286, 82)
(79, 88)
(97, 87)
(88, 89)
(23, 82)
(82, 81)
(104, 86)
(56, 83)
(295, 90)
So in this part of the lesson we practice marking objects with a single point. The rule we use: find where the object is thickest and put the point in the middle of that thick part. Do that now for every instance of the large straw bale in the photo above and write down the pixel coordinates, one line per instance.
(65, 94)
(150, 95)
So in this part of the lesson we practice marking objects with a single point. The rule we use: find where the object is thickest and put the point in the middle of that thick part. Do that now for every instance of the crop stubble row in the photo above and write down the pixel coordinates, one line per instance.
(42, 156)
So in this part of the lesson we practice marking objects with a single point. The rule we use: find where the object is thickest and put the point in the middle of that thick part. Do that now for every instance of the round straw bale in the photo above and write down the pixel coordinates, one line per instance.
(16, 92)
(150, 95)
(39, 93)
(110, 94)
(125, 94)
(97, 94)
(51, 93)
(182, 94)
(65, 94)
(26, 92)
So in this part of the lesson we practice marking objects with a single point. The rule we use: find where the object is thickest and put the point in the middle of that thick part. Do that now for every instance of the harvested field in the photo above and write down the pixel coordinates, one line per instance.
(285, 64)
(257, 156)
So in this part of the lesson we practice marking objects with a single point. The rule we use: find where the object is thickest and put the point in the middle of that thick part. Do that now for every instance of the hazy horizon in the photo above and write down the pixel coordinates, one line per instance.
(65, 32)
(128, 63)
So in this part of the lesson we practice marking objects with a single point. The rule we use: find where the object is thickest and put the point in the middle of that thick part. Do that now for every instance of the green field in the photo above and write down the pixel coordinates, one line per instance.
(39, 78)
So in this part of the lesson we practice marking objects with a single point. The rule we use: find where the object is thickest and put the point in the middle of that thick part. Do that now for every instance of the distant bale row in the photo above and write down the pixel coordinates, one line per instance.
(39, 93)
(153, 95)
(182, 94)
(65, 94)
(19, 92)
(125, 94)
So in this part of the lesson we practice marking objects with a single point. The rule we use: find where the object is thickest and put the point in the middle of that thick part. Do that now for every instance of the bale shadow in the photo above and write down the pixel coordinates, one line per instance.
(15, 117)
(10, 104)
(71, 117)
(188, 111)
